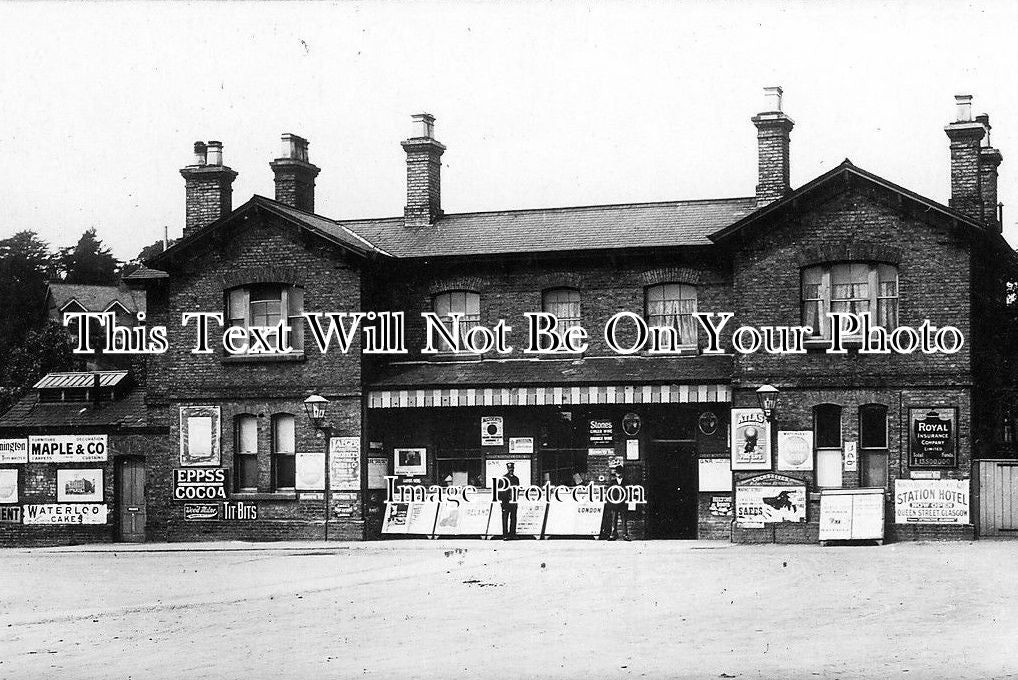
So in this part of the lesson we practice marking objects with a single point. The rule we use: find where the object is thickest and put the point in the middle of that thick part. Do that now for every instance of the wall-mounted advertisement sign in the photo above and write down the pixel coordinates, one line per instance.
(80, 486)
(194, 512)
(933, 437)
(10, 514)
(795, 450)
(191, 484)
(931, 501)
(410, 462)
(601, 432)
(378, 468)
(67, 448)
(492, 431)
(345, 463)
(521, 444)
(720, 506)
(632, 449)
(72, 513)
(8, 486)
(239, 510)
(13, 451)
(770, 498)
(751, 440)
(199, 436)
(851, 457)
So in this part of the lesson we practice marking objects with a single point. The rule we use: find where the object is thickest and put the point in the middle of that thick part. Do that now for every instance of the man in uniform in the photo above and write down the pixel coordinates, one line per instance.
(509, 505)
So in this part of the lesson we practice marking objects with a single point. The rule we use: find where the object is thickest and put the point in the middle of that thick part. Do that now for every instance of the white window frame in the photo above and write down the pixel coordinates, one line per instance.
(826, 293)
(683, 289)
(291, 307)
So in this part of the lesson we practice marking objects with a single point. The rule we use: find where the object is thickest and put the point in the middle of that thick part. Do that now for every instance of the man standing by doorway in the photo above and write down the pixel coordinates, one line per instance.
(509, 505)
(618, 510)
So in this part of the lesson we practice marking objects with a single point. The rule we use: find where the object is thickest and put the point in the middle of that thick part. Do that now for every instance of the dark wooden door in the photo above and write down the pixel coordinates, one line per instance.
(131, 499)
(671, 490)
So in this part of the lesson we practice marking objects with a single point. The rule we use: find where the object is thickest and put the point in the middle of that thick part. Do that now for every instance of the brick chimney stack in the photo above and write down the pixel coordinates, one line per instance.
(295, 175)
(423, 173)
(989, 161)
(965, 135)
(772, 134)
(208, 187)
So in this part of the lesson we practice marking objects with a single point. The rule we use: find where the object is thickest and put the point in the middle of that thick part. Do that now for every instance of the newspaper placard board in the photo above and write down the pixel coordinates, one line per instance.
(574, 518)
(851, 514)
(462, 518)
(416, 519)
(529, 518)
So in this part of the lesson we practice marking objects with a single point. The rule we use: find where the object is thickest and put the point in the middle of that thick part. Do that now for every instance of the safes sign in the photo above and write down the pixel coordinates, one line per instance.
(933, 438)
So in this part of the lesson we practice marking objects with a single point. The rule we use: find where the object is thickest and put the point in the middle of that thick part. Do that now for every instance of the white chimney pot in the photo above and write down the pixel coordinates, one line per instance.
(964, 104)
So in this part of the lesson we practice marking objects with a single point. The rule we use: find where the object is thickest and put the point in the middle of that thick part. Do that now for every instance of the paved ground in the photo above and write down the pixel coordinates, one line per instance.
(475, 609)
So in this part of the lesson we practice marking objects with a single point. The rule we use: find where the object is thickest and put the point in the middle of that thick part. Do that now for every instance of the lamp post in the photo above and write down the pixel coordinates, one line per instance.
(317, 408)
(767, 397)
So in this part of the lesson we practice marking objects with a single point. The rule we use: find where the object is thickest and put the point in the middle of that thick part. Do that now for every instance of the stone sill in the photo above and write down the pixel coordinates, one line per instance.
(262, 358)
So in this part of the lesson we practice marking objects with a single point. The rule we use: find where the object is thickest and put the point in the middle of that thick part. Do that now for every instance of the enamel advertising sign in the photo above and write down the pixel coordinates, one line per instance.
(751, 440)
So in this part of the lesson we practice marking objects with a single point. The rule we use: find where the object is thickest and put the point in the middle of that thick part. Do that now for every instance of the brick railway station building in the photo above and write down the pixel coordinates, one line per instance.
(847, 241)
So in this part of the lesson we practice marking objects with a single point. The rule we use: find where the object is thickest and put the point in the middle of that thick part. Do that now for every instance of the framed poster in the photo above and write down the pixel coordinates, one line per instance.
(9, 486)
(492, 429)
(80, 486)
(795, 450)
(751, 440)
(309, 470)
(345, 463)
(521, 444)
(933, 438)
(410, 462)
(199, 436)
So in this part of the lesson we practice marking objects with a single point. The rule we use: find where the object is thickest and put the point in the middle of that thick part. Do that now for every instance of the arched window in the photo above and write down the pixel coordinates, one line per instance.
(672, 305)
(827, 440)
(245, 452)
(856, 287)
(873, 445)
(465, 302)
(284, 447)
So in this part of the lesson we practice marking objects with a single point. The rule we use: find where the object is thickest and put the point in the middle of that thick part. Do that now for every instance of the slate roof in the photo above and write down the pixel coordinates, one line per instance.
(71, 380)
(129, 412)
(590, 371)
(93, 298)
(144, 272)
(639, 225)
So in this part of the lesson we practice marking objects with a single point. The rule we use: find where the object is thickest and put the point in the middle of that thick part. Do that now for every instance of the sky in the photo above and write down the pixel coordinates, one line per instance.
(540, 104)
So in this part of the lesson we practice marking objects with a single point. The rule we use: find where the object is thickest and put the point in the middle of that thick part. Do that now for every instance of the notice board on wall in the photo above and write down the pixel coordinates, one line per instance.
(851, 514)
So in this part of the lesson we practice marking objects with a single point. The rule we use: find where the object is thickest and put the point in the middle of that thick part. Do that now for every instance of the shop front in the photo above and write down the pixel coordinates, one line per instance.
(558, 435)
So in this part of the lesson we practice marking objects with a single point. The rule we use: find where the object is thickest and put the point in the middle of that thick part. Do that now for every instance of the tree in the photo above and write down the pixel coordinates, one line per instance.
(25, 264)
(147, 252)
(88, 262)
(44, 350)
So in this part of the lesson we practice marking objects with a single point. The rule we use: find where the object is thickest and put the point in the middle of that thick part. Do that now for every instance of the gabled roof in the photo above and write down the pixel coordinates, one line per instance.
(93, 298)
(144, 273)
(315, 224)
(845, 171)
(597, 227)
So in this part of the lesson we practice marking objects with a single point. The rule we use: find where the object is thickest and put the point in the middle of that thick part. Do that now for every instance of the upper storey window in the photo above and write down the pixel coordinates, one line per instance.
(464, 302)
(672, 305)
(855, 287)
(266, 305)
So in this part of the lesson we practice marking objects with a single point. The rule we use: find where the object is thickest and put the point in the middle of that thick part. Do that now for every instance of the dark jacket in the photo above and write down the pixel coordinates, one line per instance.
(506, 495)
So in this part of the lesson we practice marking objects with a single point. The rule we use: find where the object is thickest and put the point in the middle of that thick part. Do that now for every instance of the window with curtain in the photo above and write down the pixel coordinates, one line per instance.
(827, 439)
(873, 445)
(673, 305)
(266, 304)
(245, 453)
(564, 303)
(856, 287)
(463, 302)
(284, 447)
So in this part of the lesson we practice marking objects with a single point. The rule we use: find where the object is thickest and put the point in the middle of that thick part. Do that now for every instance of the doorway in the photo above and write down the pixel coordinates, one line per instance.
(131, 499)
(671, 490)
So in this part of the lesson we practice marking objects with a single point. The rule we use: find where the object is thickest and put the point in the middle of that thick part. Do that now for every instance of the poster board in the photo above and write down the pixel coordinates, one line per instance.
(770, 498)
(495, 468)
(410, 462)
(345, 463)
(795, 450)
(378, 468)
(851, 514)
(931, 501)
(574, 518)
(200, 441)
(411, 519)
(715, 474)
(310, 470)
(9, 486)
(529, 519)
(464, 519)
(751, 440)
